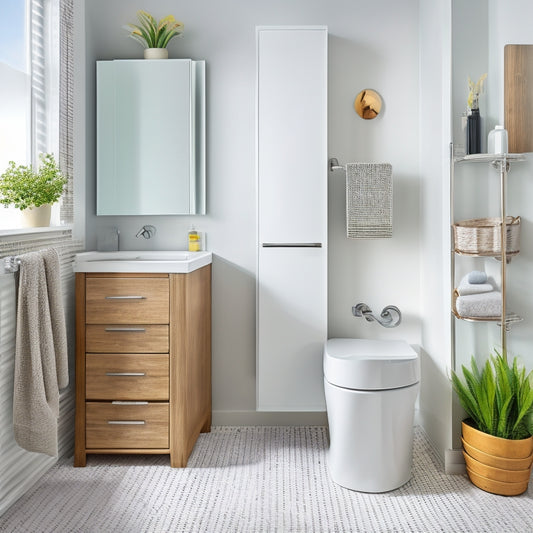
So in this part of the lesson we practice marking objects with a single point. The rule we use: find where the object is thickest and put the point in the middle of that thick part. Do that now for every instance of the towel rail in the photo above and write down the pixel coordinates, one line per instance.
(11, 264)
(334, 165)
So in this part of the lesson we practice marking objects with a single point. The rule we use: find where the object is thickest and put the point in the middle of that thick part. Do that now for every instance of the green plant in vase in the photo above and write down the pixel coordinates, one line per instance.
(155, 35)
(33, 191)
(497, 440)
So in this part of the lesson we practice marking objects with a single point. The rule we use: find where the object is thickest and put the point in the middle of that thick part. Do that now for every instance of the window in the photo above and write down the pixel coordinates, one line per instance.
(29, 91)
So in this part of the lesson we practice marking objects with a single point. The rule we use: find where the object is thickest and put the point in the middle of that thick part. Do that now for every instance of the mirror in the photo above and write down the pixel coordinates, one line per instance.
(150, 130)
(368, 104)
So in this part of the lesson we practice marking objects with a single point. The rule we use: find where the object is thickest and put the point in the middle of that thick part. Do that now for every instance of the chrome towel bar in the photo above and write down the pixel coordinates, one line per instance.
(11, 264)
(334, 165)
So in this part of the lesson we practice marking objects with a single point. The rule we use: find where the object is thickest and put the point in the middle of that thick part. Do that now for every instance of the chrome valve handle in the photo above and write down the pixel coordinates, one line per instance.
(390, 317)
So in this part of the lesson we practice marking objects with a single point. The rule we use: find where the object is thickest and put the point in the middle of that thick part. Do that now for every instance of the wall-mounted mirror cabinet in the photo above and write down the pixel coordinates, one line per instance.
(150, 131)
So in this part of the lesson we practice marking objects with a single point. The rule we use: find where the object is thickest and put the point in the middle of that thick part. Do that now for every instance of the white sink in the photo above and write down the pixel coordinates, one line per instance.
(177, 262)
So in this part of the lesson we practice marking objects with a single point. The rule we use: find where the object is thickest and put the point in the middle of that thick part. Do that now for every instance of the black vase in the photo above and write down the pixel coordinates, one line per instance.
(473, 132)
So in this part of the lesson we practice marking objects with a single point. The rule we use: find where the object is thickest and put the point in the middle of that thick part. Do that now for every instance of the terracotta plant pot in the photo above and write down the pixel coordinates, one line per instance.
(500, 466)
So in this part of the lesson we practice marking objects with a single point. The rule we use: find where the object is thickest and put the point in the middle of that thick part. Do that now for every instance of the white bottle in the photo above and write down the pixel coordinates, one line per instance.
(497, 143)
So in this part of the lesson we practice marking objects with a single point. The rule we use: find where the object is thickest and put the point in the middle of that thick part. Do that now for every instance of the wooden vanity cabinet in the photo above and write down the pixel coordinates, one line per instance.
(143, 363)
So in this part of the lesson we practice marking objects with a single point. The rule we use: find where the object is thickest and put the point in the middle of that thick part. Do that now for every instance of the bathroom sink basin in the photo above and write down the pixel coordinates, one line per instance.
(171, 261)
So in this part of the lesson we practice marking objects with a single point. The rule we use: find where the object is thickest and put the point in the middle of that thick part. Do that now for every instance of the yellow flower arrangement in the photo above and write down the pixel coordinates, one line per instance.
(475, 89)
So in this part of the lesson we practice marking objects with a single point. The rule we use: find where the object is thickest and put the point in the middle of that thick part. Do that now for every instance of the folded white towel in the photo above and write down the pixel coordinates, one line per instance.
(487, 304)
(466, 287)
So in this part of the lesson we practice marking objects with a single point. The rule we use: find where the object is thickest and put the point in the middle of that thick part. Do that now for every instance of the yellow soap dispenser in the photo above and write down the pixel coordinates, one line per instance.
(194, 240)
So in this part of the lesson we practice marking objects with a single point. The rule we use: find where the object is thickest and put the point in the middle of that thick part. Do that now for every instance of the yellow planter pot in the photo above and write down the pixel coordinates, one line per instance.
(497, 474)
(500, 466)
(495, 461)
(497, 487)
(510, 449)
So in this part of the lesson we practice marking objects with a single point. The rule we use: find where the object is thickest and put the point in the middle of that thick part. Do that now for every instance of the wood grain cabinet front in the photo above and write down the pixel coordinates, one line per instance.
(127, 376)
(120, 338)
(143, 363)
(127, 300)
(127, 425)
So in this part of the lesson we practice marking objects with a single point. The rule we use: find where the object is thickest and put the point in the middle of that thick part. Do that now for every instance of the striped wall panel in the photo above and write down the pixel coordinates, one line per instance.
(20, 469)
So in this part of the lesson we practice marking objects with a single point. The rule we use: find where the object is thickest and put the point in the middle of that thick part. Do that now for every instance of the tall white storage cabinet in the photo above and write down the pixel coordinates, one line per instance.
(292, 217)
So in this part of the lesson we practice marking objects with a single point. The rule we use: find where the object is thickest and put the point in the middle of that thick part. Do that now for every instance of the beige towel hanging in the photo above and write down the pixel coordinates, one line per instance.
(368, 200)
(41, 367)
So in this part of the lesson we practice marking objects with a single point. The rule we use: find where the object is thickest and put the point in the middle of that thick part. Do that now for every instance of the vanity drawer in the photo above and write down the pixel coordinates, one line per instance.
(127, 301)
(126, 376)
(115, 425)
(126, 338)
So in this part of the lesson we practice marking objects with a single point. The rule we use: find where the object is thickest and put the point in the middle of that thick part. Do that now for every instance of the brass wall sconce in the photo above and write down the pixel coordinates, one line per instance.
(368, 104)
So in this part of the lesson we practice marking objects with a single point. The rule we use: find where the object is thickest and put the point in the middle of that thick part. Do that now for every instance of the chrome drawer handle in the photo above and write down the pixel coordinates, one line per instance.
(125, 297)
(126, 422)
(124, 402)
(292, 245)
(141, 330)
(125, 374)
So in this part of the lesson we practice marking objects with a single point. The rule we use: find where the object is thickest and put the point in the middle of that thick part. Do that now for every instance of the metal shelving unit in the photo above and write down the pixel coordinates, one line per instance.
(502, 164)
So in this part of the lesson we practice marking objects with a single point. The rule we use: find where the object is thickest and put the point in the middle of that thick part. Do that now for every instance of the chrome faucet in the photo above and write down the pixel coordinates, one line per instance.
(147, 231)
(386, 319)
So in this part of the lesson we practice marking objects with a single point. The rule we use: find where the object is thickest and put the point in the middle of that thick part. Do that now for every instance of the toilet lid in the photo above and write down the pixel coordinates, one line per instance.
(363, 364)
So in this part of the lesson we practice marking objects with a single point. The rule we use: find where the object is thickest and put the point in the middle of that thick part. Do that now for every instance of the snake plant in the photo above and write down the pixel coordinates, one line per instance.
(498, 398)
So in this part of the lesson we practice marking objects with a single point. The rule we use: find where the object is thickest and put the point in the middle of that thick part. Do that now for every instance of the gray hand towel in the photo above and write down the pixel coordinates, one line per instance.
(57, 314)
(368, 200)
(40, 353)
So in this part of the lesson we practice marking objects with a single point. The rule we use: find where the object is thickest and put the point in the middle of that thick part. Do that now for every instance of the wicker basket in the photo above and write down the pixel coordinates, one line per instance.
(482, 236)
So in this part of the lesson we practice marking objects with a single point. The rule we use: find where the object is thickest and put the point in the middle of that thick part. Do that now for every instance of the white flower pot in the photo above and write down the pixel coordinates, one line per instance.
(36, 217)
(155, 53)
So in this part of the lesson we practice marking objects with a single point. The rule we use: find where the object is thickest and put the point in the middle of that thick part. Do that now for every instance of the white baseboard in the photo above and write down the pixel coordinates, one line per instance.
(264, 418)
(454, 462)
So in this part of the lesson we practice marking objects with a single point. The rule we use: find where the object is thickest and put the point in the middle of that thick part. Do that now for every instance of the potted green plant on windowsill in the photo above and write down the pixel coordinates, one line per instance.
(32, 191)
(497, 438)
(155, 35)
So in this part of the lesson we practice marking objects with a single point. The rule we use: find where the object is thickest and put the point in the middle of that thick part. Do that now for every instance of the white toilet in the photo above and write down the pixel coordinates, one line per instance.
(371, 388)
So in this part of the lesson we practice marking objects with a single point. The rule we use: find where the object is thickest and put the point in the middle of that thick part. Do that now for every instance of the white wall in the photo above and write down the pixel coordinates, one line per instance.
(470, 37)
(481, 28)
(510, 23)
(435, 121)
(365, 51)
